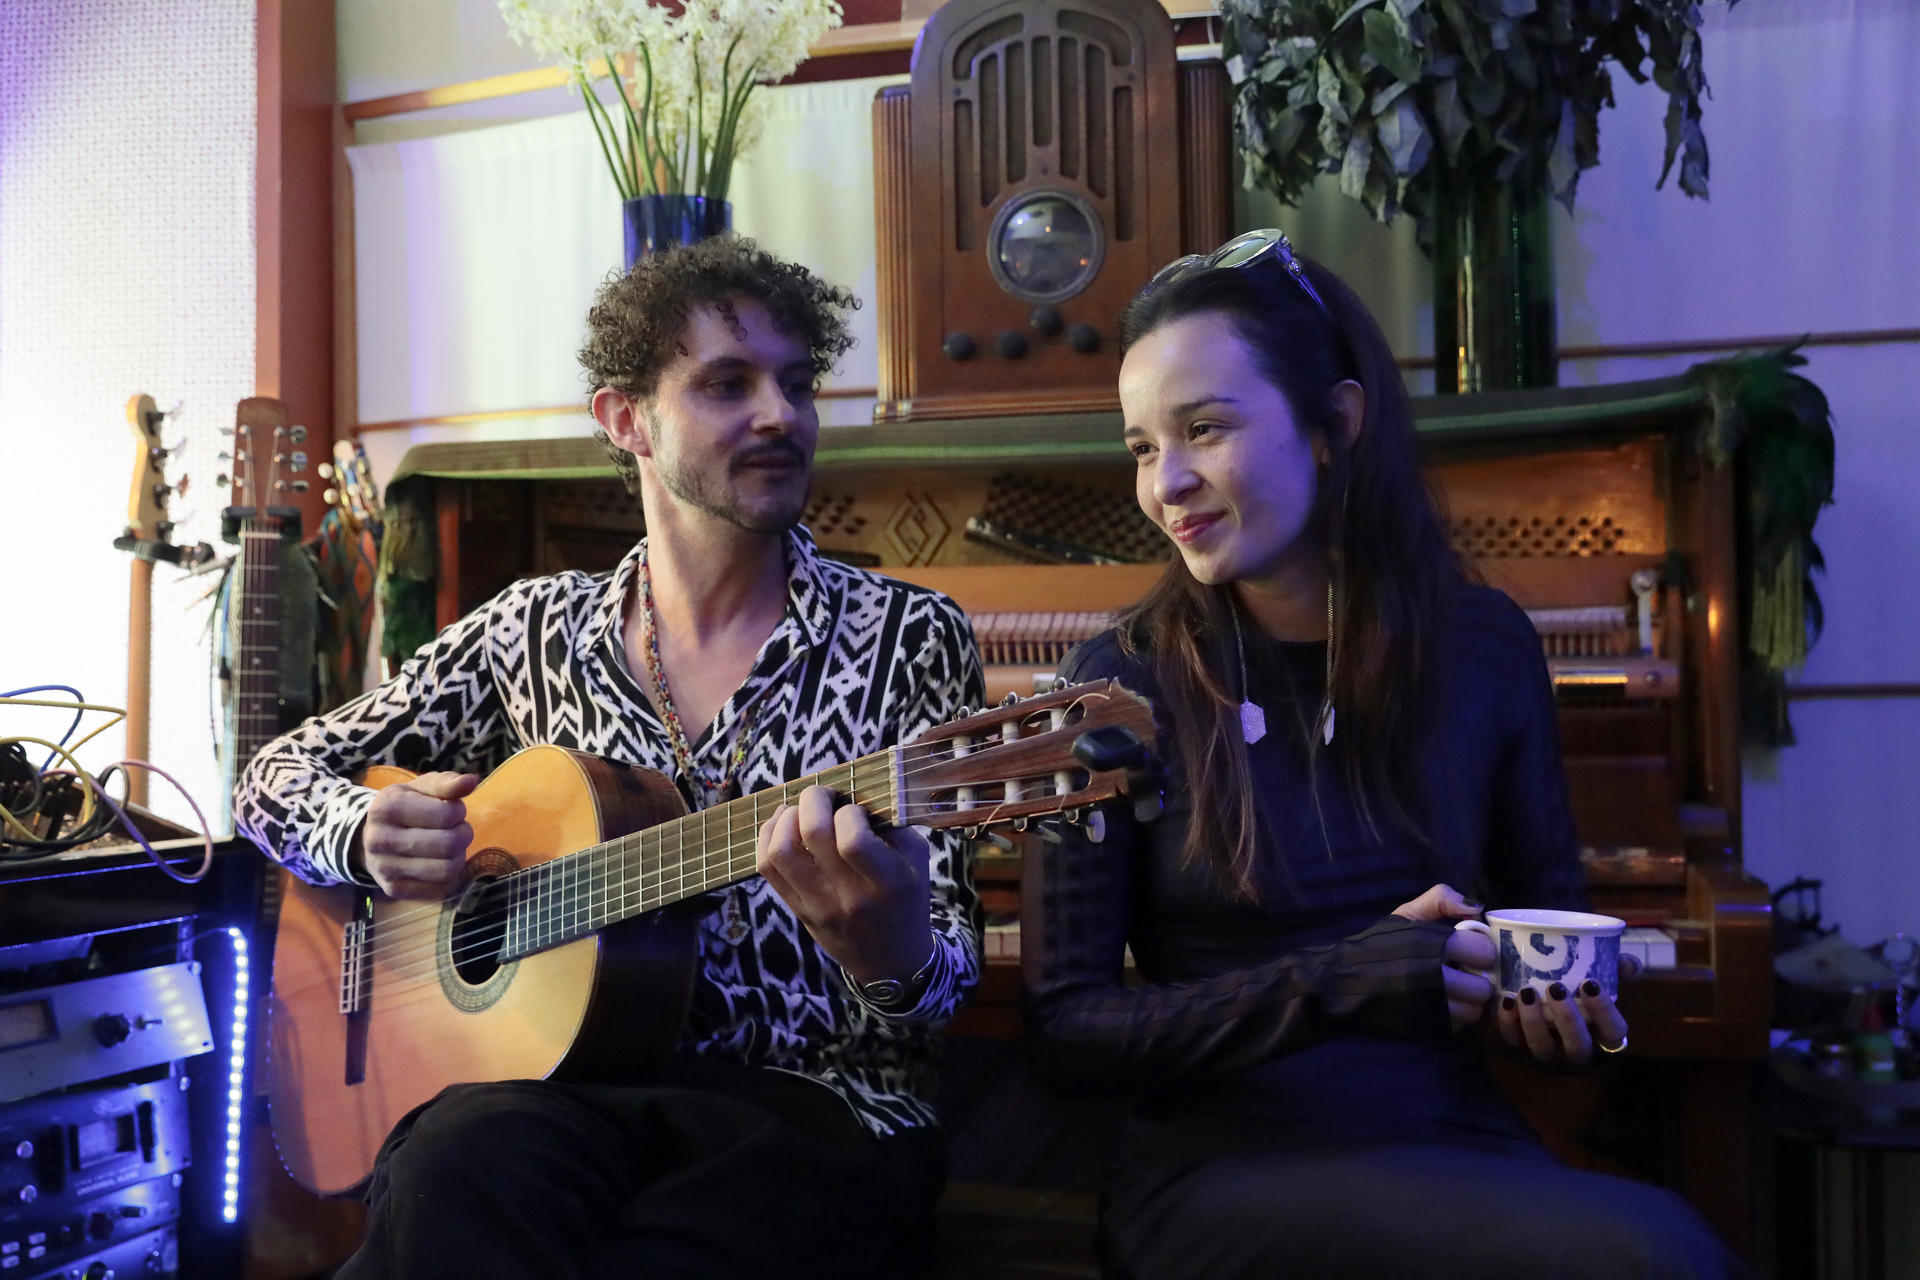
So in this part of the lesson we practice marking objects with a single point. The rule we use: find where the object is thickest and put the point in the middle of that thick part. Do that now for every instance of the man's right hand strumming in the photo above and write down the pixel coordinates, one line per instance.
(414, 841)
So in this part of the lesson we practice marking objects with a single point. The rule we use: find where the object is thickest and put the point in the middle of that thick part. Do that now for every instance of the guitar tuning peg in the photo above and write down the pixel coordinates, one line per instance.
(971, 833)
(1050, 832)
(1020, 824)
(299, 459)
(330, 496)
(299, 486)
(226, 431)
(964, 713)
(1096, 827)
(1010, 699)
(174, 411)
(297, 434)
(174, 448)
(221, 480)
(1148, 806)
(324, 471)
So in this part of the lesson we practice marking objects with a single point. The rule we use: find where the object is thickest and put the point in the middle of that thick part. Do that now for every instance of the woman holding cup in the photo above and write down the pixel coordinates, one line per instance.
(1345, 720)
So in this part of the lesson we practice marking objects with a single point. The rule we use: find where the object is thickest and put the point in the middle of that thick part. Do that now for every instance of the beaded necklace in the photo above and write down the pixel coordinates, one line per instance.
(676, 735)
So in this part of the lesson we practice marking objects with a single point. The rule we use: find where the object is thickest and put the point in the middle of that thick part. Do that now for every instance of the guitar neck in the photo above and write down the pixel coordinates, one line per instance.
(584, 892)
(256, 675)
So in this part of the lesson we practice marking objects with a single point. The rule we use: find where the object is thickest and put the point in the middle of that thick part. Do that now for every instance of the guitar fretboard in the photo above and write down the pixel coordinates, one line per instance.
(584, 892)
(256, 660)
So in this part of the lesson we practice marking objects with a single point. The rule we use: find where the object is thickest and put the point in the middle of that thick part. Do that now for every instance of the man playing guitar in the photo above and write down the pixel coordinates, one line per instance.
(789, 1131)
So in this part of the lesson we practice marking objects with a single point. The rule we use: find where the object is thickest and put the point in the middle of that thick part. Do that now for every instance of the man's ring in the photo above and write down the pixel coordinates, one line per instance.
(1615, 1048)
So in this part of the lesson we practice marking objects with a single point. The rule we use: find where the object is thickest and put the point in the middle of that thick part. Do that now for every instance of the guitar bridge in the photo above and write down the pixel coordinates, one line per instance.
(355, 975)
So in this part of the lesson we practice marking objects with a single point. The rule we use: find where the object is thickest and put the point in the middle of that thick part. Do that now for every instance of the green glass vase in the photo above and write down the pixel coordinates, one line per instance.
(1493, 303)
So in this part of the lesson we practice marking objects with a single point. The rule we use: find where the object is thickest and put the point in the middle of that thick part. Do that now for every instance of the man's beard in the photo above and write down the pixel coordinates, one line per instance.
(699, 490)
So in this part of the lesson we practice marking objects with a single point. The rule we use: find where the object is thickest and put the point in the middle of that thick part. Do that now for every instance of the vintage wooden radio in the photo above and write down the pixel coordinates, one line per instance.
(1047, 158)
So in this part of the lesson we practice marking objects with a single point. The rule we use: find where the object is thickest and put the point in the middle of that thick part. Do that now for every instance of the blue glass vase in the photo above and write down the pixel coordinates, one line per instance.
(654, 223)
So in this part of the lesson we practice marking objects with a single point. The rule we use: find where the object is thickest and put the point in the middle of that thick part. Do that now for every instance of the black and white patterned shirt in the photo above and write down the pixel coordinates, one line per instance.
(859, 663)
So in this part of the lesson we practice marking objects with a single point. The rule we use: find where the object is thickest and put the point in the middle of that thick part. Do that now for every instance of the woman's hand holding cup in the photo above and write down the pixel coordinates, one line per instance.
(1468, 963)
(1559, 971)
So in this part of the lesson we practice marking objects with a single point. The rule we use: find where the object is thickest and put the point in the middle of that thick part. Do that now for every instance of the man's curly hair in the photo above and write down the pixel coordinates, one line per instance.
(637, 318)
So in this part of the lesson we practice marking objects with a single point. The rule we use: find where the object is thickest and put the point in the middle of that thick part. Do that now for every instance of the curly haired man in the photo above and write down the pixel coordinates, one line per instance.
(791, 1133)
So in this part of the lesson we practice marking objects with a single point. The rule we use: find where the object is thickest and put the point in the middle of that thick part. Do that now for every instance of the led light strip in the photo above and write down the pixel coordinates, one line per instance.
(236, 1074)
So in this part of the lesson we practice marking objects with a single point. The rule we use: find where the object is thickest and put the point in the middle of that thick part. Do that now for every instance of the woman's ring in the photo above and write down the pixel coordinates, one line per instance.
(1615, 1048)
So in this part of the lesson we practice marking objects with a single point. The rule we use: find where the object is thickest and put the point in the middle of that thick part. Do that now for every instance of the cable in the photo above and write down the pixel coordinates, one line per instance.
(79, 709)
(206, 833)
(7, 816)
(45, 793)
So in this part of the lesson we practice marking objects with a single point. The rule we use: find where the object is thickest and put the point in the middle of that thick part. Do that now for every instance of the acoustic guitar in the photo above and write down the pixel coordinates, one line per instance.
(562, 954)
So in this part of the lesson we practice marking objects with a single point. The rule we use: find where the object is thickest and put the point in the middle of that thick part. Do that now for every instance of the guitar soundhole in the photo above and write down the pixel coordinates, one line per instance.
(479, 928)
(472, 928)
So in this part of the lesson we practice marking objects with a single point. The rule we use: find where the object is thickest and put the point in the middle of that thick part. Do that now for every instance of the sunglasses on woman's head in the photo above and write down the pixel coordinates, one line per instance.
(1244, 250)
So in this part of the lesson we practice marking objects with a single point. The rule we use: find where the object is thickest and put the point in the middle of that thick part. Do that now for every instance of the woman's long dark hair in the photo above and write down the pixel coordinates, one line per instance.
(1391, 563)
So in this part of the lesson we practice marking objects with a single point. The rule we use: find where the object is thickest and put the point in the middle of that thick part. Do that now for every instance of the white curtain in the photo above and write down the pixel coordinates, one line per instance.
(477, 253)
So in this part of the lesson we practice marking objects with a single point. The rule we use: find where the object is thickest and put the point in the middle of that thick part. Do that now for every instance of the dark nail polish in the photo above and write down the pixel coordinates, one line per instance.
(1529, 996)
(1506, 1002)
(1558, 991)
(1589, 988)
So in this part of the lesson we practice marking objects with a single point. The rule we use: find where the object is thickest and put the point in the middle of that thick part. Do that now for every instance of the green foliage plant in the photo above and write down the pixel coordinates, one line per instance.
(1399, 96)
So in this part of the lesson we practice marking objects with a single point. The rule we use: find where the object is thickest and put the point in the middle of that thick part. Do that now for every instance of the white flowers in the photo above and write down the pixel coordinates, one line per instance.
(683, 84)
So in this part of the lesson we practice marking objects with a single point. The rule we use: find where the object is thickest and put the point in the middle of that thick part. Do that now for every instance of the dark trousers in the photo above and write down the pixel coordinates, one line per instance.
(724, 1173)
(1480, 1208)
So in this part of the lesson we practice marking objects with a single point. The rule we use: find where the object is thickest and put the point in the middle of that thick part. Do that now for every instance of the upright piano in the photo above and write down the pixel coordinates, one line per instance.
(1598, 509)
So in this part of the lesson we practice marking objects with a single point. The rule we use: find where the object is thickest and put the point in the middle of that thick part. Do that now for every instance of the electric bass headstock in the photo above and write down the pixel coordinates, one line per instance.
(149, 530)
(1056, 753)
(266, 462)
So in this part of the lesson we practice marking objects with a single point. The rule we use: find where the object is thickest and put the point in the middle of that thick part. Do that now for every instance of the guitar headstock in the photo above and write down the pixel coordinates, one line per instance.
(147, 502)
(1055, 753)
(266, 462)
(149, 524)
(352, 489)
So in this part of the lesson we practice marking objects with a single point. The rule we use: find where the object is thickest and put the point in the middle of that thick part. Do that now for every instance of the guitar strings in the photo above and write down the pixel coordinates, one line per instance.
(752, 803)
(401, 951)
(609, 885)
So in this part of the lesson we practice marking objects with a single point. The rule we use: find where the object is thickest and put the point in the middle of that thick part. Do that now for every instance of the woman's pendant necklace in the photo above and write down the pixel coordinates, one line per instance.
(1326, 700)
(1253, 720)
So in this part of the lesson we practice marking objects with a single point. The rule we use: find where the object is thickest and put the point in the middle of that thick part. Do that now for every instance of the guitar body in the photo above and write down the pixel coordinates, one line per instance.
(601, 1007)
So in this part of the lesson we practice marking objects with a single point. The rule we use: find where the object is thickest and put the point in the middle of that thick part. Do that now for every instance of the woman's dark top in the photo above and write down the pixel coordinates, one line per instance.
(1313, 1012)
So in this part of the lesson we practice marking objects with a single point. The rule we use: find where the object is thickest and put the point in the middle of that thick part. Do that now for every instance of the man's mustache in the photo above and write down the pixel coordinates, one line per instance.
(780, 452)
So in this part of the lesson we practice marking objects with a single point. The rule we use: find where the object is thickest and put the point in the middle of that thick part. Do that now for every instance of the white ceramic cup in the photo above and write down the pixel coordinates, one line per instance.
(1539, 948)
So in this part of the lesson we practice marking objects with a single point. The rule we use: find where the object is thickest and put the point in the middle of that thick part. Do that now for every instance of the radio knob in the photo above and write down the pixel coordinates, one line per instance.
(1012, 345)
(958, 346)
(1045, 321)
(1084, 338)
(111, 1028)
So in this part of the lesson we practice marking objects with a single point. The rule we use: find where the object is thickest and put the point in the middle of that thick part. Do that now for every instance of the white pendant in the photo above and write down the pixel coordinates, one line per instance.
(1253, 722)
(1326, 724)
